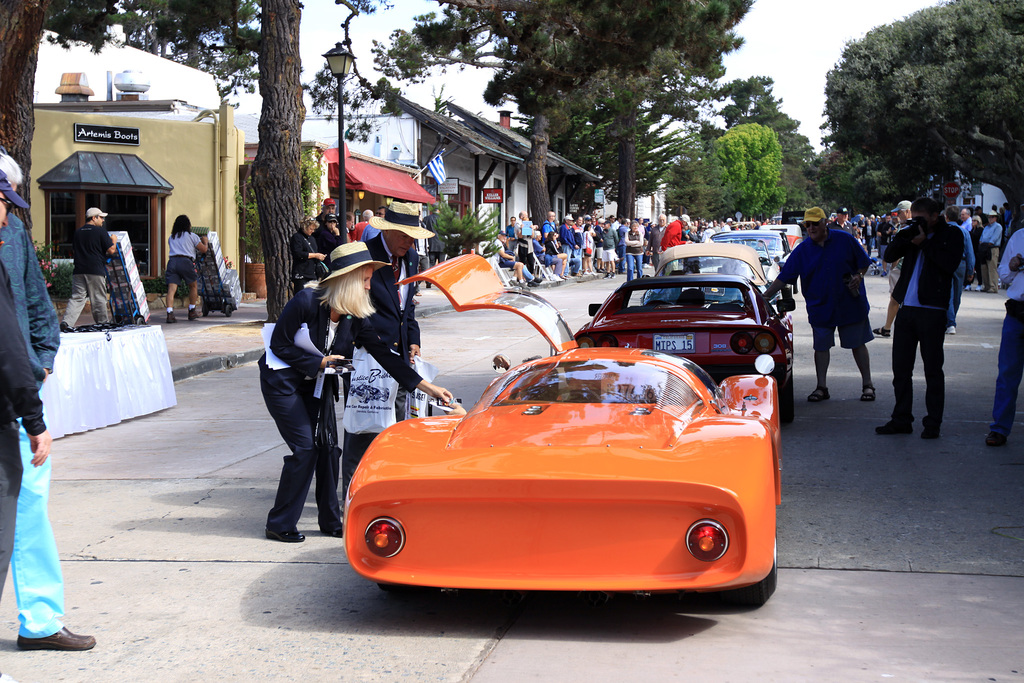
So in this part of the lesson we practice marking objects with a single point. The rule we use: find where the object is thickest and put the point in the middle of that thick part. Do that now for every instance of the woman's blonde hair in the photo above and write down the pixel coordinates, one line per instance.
(307, 220)
(347, 295)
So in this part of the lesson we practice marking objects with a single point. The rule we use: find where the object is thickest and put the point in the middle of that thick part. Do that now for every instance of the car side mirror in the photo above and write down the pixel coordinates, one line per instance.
(594, 308)
(786, 305)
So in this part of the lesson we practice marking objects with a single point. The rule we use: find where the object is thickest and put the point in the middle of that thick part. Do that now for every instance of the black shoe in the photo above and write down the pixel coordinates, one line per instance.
(337, 533)
(893, 427)
(532, 283)
(930, 433)
(995, 439)
(64, 327)
(285, 536)
(61, 640)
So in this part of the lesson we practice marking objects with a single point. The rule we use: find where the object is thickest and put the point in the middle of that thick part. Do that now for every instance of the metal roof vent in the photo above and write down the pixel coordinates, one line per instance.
(133, 85)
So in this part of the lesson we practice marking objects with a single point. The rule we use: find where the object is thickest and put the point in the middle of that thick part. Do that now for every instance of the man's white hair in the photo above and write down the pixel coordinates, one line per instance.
(11, 168)
(368, 214)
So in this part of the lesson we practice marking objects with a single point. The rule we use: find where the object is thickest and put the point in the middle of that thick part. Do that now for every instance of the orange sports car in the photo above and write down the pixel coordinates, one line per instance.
(600, 469)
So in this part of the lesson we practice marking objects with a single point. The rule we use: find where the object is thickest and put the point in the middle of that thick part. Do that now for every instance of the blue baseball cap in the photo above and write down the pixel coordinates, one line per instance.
(9, 193)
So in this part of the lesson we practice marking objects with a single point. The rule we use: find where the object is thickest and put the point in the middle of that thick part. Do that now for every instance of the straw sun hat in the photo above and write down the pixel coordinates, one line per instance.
(348, 257)
(404, 217)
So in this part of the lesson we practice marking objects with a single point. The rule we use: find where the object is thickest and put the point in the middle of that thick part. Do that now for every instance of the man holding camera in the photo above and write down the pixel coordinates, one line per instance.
(931, 250)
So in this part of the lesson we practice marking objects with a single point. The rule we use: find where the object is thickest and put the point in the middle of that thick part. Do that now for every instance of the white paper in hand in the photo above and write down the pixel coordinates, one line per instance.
(273, 362)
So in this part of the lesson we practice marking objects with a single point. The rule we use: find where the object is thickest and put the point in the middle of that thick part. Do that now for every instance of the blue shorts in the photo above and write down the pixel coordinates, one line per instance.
(850, 336)
(180, 268)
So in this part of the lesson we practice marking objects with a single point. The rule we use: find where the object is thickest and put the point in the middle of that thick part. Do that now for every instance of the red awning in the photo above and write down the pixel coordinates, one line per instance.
(366, 177)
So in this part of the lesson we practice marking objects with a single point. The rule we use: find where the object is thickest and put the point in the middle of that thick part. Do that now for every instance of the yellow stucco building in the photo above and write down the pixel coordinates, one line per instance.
(144, 163)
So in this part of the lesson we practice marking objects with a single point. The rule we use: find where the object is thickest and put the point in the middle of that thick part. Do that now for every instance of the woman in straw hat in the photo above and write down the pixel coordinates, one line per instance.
(335, 313)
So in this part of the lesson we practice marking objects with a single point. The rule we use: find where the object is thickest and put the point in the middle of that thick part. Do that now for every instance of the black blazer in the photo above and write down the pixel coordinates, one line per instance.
(301, 246)
(305, 307)
(942, 253)
(397, 328)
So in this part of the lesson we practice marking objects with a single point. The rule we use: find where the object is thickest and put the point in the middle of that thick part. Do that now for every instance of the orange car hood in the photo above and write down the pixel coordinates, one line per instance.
(470, 283)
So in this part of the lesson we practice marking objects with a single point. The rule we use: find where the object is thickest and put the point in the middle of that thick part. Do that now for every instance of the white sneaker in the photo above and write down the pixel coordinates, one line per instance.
(951, 329)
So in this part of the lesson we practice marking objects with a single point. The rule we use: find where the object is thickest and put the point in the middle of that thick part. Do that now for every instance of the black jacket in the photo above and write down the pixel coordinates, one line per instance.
(301, 246)
(942, 253)
(19, 396)
(397, 327)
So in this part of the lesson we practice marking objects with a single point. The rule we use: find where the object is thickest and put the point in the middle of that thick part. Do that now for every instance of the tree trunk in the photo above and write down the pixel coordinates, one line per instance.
(537, 170)
(276, 168)
(21, 29)
(625, 132)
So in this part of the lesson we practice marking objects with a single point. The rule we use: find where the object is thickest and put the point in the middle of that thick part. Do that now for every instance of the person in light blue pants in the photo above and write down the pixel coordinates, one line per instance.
(35, 564)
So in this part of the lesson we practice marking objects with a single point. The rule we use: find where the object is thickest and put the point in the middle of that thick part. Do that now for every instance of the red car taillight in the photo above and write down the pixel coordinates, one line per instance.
(707, 540)
(607, 340)
(385, 537)
(741, 342)
(764, 342)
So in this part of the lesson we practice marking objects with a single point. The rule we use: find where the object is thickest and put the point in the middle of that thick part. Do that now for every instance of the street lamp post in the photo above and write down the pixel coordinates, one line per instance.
(340, 60)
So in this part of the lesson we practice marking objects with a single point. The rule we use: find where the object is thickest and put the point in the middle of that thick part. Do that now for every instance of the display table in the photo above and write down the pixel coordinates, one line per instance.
(101, 378)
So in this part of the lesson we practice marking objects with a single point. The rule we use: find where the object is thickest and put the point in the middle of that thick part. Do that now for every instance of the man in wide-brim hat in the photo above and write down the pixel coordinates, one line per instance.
(395, 317)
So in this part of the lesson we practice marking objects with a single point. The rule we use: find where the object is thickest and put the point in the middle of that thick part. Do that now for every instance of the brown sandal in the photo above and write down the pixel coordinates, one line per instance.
(868, 393)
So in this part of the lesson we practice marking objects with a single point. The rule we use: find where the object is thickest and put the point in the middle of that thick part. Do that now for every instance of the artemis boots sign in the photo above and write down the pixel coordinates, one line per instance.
(109, 135)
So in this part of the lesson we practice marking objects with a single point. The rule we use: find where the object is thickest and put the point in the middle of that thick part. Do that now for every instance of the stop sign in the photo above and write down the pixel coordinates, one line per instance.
(951, 189)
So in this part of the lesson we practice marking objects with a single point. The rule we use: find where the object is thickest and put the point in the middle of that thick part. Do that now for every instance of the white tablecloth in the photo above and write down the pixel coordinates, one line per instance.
(100, 379)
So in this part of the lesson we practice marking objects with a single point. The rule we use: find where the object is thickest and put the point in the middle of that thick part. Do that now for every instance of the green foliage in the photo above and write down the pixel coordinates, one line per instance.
(249, 219)
(220, 37)
(311, 173)
(751, 160)
(752, 101)
(463, 233)
(155, 285)
(694, 184)
(935, 92)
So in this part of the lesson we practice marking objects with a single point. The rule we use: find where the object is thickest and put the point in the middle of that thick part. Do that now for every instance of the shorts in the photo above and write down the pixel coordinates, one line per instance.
(180, 268)
(550, 260)
(894, 276)
(850, 336)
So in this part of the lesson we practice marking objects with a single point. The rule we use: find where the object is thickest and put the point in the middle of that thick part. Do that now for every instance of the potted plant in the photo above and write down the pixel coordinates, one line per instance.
(252, 248)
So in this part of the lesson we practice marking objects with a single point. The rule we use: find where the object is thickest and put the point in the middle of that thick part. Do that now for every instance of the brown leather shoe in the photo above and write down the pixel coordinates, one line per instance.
(61, 640)
(193, 314)
(171, 318)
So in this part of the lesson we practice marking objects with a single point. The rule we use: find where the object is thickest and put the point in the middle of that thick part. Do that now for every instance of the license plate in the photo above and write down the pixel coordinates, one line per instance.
(674, 343)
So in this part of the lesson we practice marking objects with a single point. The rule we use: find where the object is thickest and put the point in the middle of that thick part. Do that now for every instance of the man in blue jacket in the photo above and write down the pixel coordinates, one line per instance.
(931, 250)
(38, 580)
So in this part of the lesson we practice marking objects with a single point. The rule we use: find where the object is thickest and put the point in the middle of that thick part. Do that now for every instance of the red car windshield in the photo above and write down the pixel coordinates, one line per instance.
(723, 298)
(600, 381)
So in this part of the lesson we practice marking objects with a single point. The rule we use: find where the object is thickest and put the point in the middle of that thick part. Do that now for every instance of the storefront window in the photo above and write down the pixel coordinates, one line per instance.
(129, 213)
(62, 222)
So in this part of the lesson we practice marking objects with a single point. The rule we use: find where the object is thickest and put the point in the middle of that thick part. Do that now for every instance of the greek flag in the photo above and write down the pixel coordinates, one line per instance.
(436, 168)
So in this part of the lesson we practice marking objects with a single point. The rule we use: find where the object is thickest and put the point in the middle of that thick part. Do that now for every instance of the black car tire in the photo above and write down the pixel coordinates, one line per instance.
(787, 403)
(756, 595)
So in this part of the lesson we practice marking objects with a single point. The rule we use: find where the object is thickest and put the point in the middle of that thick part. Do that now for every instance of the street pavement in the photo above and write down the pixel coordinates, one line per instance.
(901, 559)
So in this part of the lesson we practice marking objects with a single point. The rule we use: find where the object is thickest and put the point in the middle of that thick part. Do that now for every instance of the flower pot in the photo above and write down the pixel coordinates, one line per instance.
(256, 279)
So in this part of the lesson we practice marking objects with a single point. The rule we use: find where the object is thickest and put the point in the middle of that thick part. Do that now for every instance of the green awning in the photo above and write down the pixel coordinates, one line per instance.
(105, 172)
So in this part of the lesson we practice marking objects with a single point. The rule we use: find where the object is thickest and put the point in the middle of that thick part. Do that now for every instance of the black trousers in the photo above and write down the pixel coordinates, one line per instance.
(356, 444)
(914, 327)
(296, 417)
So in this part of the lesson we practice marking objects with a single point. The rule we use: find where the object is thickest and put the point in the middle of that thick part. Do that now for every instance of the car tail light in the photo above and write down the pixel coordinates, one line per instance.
(764, 342)
(741, 342)
(585, 342)
(607, 340)
(707, 540)
(385, 537)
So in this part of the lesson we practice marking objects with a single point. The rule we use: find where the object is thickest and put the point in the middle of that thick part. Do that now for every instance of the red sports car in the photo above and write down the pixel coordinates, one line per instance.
(721, 322)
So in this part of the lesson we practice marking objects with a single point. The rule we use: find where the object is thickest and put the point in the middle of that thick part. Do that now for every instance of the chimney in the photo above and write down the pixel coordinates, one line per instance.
(74, 87)
(505, 118)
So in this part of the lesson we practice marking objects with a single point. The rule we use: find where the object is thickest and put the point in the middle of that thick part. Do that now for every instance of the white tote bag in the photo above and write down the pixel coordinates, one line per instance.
(370, 407)
(416, 402)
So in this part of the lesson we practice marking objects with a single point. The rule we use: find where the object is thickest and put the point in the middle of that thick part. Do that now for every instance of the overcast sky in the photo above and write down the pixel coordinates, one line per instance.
(795, 42)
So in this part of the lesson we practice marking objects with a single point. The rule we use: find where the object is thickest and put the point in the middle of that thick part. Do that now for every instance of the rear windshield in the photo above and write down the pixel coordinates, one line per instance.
(760, 243)
(600, 381)
(710, 298)
(715, 265)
